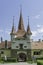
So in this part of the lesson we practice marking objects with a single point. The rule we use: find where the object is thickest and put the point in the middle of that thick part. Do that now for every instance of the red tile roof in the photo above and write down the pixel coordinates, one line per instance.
(34, 45)
(2, 45)
(37, 45)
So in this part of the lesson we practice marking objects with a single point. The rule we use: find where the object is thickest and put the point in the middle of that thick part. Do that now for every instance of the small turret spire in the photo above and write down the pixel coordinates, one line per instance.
(28, 27)
(13, 20)
(13, 25)
(13, 29)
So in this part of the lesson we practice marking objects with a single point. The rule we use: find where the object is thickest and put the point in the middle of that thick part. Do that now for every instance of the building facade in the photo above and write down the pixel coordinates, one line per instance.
(21, 46)
(21, 41)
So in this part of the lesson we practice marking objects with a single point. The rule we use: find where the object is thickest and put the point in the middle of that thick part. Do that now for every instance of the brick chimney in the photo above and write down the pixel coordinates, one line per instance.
(5, 43)
(1, 39)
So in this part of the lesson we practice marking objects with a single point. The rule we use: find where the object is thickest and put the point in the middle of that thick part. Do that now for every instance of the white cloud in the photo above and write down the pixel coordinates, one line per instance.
(38, 25)
(36, 16)
(40, 30)
(8, 32)
(34, 33)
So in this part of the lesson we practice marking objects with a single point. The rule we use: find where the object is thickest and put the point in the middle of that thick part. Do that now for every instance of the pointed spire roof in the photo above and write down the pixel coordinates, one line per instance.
(21, 25)
(13, 29)
(28, 27)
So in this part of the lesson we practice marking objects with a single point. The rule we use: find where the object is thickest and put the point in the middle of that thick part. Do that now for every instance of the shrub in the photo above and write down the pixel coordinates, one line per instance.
(11, 60)
(39, 62)
(39, 58)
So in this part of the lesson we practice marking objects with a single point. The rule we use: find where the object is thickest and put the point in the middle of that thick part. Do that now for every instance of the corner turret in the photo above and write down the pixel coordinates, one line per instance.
(28, 28)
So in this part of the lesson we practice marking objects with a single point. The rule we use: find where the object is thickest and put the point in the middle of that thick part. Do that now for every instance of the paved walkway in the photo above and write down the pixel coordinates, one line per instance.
(20, 63)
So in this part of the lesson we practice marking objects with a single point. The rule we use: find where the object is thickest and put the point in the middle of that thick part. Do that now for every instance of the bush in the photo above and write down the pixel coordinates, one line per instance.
(39, 62)
(11, 60)
(39, 58)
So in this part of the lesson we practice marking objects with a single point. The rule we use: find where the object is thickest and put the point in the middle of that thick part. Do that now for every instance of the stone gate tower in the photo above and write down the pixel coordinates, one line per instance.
(21, 41)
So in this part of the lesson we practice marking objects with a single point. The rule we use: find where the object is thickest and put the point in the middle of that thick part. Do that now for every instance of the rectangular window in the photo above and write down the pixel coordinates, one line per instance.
(37, 53)
(25, 46)
(21, 46)
(2, 52)
(16, 46)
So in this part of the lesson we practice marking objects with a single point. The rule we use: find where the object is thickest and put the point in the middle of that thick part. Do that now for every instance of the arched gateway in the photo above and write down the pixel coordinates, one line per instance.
(21, 57)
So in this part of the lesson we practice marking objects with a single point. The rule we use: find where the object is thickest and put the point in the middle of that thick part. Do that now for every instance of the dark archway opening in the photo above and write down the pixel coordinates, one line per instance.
(21, 57)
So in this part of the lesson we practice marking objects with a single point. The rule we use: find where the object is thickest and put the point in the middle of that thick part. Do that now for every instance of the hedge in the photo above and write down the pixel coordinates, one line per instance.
(39, 62)
(39, 58)
(9, 60)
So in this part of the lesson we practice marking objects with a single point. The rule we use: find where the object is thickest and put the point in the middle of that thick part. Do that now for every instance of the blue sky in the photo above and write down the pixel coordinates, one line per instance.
(31, 8)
